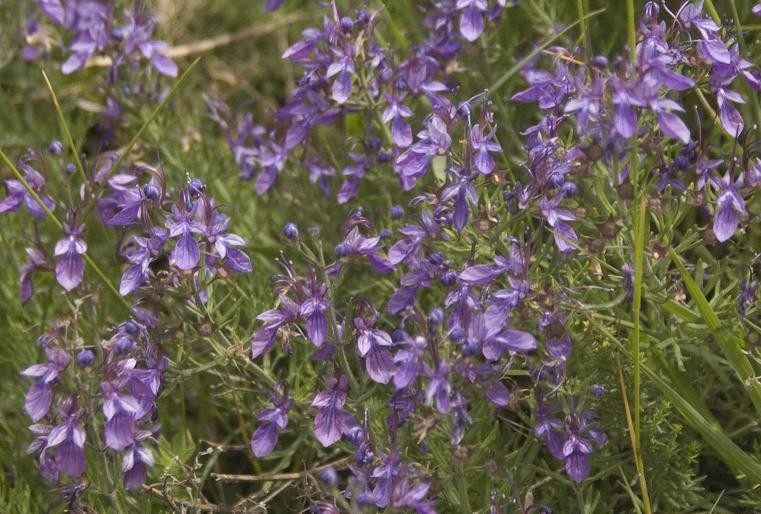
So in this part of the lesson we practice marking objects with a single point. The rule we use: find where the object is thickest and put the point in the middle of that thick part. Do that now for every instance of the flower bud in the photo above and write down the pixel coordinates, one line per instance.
(329, 476)
(598, 389)
(124, 344)
(651, 10)
(84, 358)
(385, 233)
(436, 317)
(448, 279)
(70, 168)
(342, 249)
(291, 231)
(568, 189)
(397, 212)
(363, 17)
(152, 191)
(600, 62)
(56, 148)
(196, 187)
(347, 24)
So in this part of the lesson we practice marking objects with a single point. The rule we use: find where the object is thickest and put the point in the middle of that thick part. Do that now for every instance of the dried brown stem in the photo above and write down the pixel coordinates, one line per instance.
(212, 43)
(220, 477)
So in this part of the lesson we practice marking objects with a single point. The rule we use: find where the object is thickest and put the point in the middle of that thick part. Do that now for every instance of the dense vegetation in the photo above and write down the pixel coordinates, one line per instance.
(361, 256)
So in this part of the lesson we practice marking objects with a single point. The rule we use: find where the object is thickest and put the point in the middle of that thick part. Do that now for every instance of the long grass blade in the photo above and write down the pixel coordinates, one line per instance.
(730, 344)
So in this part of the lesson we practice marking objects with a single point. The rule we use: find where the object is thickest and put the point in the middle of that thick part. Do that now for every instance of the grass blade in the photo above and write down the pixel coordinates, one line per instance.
(730, 344)
(742, 464)
(66, 131)
(536, 51)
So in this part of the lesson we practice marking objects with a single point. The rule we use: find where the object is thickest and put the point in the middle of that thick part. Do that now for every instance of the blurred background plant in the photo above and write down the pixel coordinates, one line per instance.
(698, 428)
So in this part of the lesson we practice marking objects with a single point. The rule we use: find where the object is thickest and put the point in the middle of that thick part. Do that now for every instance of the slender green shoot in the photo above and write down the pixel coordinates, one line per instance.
(66, 131)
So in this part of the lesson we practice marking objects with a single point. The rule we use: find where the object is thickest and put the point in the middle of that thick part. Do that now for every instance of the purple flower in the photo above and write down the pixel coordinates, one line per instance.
(273, 319)
(565, 237)
(439, 387)
(395, 112)
(273, 5)
(548, 428)
(356, 244)
(135, 462)
(40, 395)
(575, 452)
(729, 208)
(121, 412)
(90, 23)
(136, 36)
(69, 440)
(471, 19)
(410, 361)
(264, 439)
(331, 421)
(17, 193)
(141, 254)
(312, 311)
(484, 145)
(373, 347)
(70, 266)
(36, 260)
(186, 253)
(225, 244)
(730, 117)
(344, 68)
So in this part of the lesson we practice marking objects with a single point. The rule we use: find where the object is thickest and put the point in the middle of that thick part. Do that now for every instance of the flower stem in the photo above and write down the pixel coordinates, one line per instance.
(344, 361)
(66, 131)
(630, 27)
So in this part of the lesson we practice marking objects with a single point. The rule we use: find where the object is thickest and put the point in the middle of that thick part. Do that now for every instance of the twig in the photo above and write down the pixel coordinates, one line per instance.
(209, 44)
(197, 506)
(278, 476)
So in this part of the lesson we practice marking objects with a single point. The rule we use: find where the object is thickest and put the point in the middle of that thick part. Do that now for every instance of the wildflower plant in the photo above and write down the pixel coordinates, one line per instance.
(494, 259)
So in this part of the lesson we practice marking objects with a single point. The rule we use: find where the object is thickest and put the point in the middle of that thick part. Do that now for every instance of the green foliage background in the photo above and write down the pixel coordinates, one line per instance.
(207, 409)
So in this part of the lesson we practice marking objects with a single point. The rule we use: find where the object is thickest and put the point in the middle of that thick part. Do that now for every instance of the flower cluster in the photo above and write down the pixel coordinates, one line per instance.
(612, 107)
(121, 375)
(347, 71)
(125, 379)
(92, 29)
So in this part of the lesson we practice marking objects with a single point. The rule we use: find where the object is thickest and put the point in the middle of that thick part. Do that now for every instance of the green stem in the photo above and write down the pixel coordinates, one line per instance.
(583, 25)
(462, 486)
(630, 27)
(344, 362)
(66, 131)
(712, 11)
